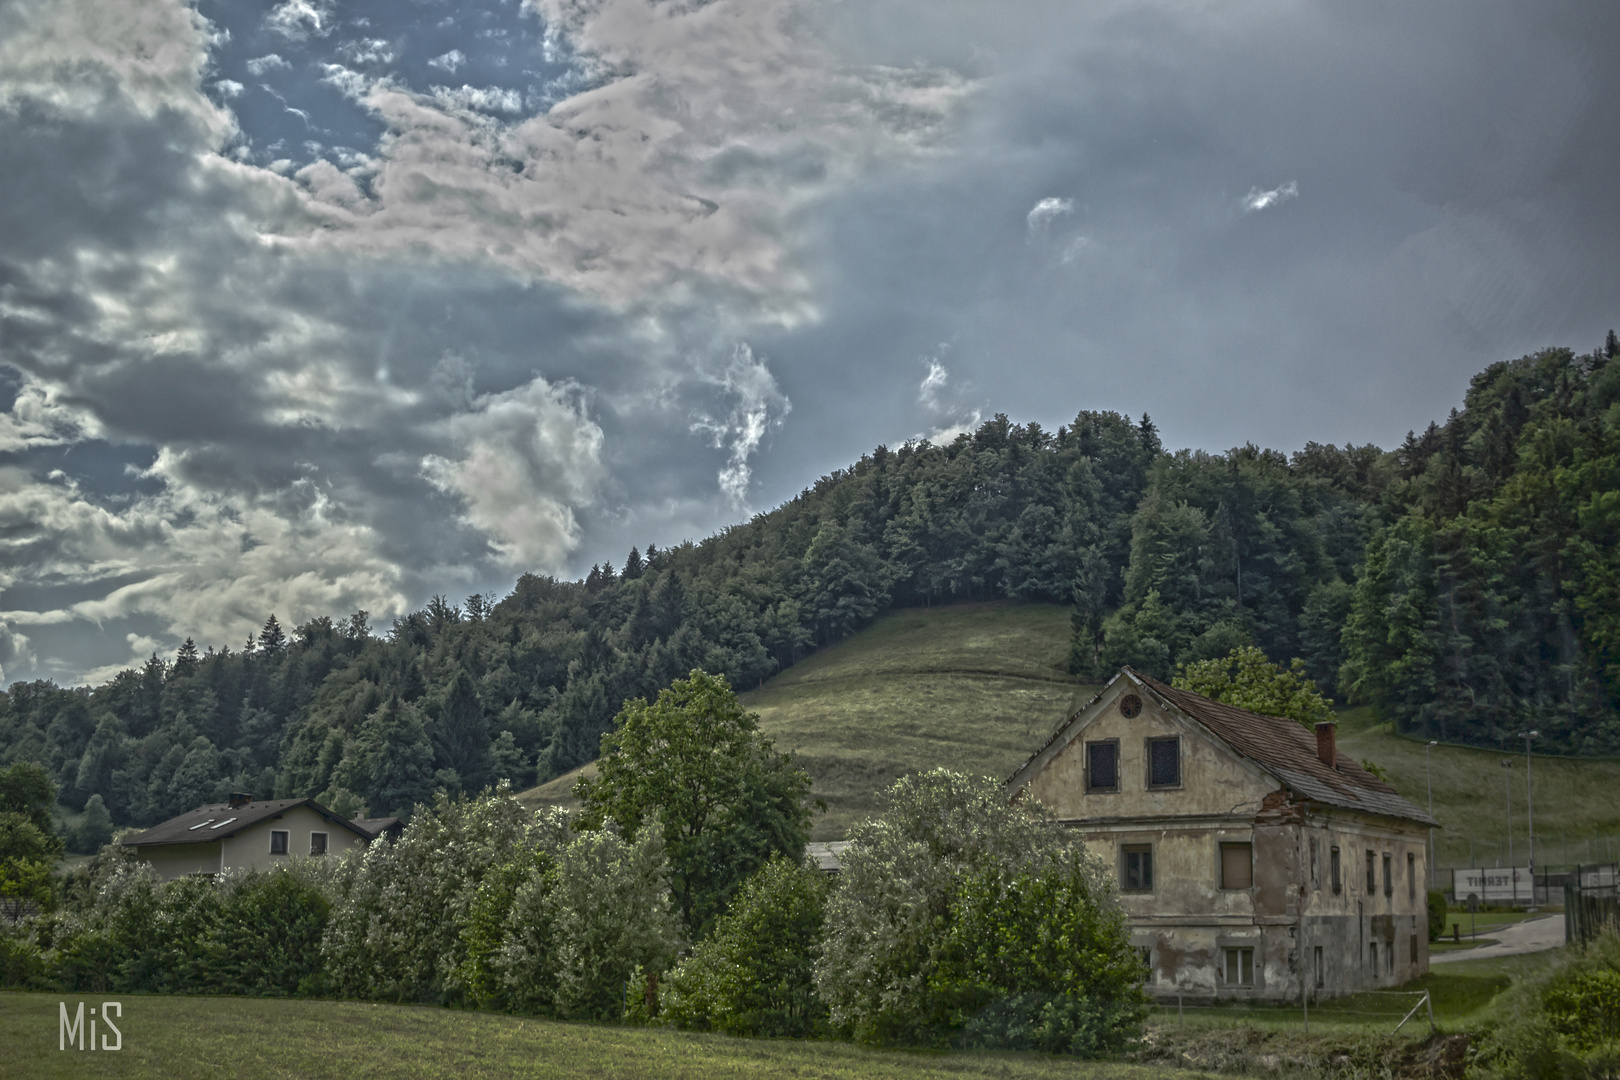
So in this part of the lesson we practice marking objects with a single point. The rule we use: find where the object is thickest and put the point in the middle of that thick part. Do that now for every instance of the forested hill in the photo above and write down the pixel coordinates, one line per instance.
(1467, 582)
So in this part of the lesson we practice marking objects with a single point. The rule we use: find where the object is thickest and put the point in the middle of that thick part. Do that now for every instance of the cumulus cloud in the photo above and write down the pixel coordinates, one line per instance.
(1257, 200)
(524, 460)
(1045, 212)
(450, 61)
(297, 20)
(228, 88)
(933, 382)
(259, 65)
(756, 404)
(38, 418)
(482, 99)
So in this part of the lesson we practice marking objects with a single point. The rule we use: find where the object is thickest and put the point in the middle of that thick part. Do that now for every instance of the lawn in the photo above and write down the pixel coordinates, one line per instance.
(178, 1038)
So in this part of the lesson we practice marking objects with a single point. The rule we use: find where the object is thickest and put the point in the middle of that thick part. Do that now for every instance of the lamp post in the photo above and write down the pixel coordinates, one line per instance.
(1530, 811)
(1429, 770)
(1507, 790)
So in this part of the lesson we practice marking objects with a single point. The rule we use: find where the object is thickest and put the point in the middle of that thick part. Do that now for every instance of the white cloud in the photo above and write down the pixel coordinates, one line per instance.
(228, 88)
(932, 384)
(450, 61)
(297, 20)
(269, 62)
(483, 99)
(1046, 211)
(525, 459)
(756, 403)
(38, 418)
(1260, 200)
(367, 51)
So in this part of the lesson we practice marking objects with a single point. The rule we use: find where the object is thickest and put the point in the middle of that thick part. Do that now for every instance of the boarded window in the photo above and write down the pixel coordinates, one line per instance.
(1164, 762)
(1138, 875)
(1237, 866)
(278, 842)
(1338, 881)
(1102, 766)
(1239, 967)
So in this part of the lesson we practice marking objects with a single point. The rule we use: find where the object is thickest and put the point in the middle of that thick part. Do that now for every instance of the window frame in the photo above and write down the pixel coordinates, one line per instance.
(1321, 968)
(1220, 866)
(1097, 789)
(326, 843)
(1243, 955)
(1389, 874)
(1414, 950)
(1338, 870)
(1411, 876)
(286, 841)
(1147, 764)
(1316, 866)
(1125, 852)
(1372, 872)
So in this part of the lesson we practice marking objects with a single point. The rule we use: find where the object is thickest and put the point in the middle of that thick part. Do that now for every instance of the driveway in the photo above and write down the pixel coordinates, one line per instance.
(1532, 935)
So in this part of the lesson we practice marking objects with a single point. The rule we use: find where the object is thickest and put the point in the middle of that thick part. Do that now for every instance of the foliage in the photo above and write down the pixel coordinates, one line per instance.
(94, 829)
(1564, 1025)
(1437, 913)
(1247, 678)
(725, 800)
(934, 896)
(753, 975)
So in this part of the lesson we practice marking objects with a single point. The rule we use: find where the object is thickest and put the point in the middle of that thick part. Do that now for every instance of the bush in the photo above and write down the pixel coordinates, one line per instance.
(949, 925)
(1563, 1026)
(1437, 914)
(754, 975)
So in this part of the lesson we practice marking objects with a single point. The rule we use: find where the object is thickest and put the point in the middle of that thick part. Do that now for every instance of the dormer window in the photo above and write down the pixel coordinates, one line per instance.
(1164, 762)
(1102, 765)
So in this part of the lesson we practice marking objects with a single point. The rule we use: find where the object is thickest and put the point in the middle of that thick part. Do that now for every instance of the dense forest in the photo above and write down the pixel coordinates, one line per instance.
(1467, 583)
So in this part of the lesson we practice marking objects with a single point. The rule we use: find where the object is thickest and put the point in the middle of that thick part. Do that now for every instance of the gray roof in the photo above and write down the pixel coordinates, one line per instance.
(1286, 749)
(218, 821)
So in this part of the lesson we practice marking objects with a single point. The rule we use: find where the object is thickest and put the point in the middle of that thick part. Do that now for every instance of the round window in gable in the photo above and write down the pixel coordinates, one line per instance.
(1130, 706)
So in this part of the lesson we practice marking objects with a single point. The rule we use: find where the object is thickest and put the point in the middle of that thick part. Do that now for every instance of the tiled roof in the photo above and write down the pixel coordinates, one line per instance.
(1287, 750)
(218, 821)
(375, 825)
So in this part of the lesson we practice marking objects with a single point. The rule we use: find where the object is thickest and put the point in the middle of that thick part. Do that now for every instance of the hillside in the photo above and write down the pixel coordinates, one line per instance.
(978, 687)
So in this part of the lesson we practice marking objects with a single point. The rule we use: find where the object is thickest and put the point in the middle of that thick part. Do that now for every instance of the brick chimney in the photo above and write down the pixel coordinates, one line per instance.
(240, 799)
(1327, 745)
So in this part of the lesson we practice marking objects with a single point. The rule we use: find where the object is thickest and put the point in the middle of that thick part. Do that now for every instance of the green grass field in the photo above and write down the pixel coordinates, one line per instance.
(979, 687)
(179, 1038)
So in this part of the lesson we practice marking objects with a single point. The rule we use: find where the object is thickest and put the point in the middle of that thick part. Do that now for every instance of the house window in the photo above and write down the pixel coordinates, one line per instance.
(1164, 762)
(1138, 868)
(1316, 877)
(1389, 877)
(278, 841)
(1237, 866)
(1414, 949)
(1321, 968)
(1372, 872)
(1239, 967)
(1102, 766)
(1411, 877)
(1338, 881)
(317, 843)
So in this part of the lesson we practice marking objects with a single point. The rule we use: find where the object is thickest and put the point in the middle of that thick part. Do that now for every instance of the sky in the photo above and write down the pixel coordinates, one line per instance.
(325, 305)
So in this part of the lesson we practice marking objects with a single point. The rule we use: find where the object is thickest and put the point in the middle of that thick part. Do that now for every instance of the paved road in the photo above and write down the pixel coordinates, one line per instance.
(1532, 935)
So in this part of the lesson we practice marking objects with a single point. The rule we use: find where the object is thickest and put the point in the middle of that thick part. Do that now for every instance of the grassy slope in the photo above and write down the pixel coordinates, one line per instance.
(247, 1038)
(979, 687)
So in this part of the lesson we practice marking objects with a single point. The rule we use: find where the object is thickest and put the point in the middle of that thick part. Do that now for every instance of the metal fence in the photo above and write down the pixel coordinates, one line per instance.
(1518, 887)
(1591, 907)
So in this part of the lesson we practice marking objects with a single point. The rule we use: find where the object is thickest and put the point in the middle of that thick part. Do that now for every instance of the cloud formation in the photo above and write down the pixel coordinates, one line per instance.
(1045, 212)
(1261, 200)
(756, 404)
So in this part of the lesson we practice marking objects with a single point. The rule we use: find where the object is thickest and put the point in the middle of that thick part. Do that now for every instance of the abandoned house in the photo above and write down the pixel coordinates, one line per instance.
(245, 834)
(1254, 860)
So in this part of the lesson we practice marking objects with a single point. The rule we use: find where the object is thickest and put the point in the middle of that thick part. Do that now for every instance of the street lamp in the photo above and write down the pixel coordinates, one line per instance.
(1530, 811)
(1429, 769)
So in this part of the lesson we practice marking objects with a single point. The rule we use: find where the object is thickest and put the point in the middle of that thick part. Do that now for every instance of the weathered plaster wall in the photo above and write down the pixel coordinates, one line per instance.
(250, 848)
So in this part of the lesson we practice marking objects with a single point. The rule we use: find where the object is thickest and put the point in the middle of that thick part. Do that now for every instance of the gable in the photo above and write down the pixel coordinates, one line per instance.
(1211, 779)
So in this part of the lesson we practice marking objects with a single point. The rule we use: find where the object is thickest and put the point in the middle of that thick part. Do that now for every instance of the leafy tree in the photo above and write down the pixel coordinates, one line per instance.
(394, 759)
(26, 789)
(95, 829)
(754, 974)
(1247, 678)
(926, 925)
(723, 799)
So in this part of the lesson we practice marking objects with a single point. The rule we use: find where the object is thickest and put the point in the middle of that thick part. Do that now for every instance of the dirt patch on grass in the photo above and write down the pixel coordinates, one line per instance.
(1333, 1055)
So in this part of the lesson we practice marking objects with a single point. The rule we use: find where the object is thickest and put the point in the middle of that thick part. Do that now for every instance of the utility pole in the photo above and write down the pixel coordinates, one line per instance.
(1507, 789)
(1530, 811)
(1429, 769)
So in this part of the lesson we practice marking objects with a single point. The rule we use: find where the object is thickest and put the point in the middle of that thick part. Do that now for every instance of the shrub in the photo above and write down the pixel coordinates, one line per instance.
(1437, 914)
(1564, 1025)
(927, 937)
(754, 975)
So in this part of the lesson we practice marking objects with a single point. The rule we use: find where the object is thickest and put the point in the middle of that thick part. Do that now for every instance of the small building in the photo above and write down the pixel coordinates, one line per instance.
(1254, 860)
(245, 834)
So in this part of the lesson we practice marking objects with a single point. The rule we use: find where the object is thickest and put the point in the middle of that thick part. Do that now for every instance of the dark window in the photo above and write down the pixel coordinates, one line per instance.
(1239, 967)
(1338, 882)
(1102, 766)
(1237, 866)
(1316, 876)
(1372, 872)
(278, 842)
(1411, 876)
(1138, 875)
(1414, 949)
(1164, 762)
(1389, 877)
(1321, 969)
(317, 843)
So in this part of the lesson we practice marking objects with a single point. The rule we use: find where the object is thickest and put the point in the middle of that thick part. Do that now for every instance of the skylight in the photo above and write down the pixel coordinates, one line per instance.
(199, 825)
(222, 824)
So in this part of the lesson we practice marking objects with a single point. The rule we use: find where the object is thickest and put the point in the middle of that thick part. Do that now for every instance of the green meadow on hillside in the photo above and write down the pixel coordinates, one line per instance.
(978, 687)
